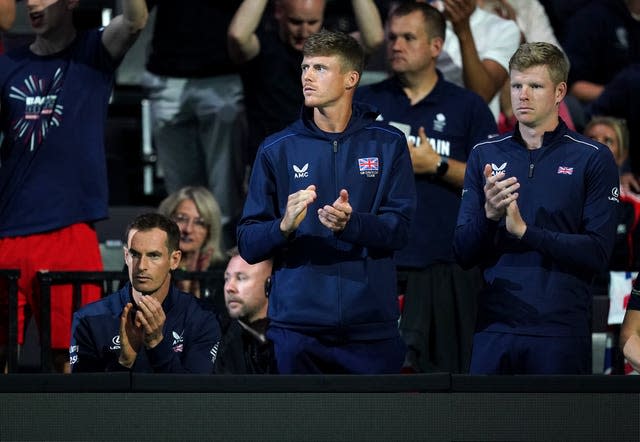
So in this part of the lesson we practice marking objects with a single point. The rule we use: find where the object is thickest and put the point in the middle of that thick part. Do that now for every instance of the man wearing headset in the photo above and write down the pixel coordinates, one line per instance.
(244, 348)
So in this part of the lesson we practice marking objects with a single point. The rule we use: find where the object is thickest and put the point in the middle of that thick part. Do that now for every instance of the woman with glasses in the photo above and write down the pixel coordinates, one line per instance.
(197, 214)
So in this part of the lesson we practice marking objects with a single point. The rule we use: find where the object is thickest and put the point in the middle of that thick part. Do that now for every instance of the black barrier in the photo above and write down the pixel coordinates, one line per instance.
(124, 406)
(107, 281)
(438, 382)
(11, 277)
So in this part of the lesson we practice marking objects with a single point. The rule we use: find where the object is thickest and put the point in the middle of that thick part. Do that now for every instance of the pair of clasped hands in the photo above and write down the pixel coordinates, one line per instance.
(500, 195)
(140, 325)
(334, 217)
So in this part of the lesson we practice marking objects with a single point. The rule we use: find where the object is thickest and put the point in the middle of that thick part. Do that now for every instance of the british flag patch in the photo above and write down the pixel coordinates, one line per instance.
(562, 170)
(368, 166)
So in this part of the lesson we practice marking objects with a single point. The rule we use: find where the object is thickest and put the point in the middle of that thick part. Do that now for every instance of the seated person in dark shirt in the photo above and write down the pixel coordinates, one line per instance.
(148, 325)
(244, 348)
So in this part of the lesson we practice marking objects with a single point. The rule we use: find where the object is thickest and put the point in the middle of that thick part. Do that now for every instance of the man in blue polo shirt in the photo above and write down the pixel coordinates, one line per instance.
(442, 122)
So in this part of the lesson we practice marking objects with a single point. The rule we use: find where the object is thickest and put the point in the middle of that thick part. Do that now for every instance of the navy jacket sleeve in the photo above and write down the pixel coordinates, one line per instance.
(259, 230)
(590, 249)
(84, 354)
(474, 237)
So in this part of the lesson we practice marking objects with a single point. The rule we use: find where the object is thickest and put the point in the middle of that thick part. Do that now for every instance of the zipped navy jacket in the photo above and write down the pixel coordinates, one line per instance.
(344, 284)
(190, 335)
(568, 197)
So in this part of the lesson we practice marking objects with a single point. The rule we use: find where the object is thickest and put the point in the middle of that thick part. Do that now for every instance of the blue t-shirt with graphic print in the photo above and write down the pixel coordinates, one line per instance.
(52, 117)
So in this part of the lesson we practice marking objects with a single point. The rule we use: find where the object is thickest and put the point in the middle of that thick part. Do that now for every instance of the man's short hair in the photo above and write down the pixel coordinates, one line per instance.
(436, 25)
(149, 221)
(533, 54)
(326, 43)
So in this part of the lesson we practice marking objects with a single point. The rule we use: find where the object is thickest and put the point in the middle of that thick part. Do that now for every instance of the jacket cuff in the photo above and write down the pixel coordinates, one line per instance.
(160, 355)
(351, 229)
(532, 237)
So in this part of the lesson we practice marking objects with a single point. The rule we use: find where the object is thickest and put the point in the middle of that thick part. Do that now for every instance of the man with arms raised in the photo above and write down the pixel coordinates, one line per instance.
(54, 96)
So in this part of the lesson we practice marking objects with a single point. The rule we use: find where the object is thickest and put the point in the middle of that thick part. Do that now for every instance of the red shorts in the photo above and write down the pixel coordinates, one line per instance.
(70, 248)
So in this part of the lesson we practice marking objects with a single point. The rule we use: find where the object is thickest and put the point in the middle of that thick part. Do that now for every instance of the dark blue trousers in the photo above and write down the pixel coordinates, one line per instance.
(505, 353)
(298, 353)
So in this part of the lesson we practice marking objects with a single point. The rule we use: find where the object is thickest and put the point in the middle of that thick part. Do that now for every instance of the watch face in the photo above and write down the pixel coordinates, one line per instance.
(443, 166)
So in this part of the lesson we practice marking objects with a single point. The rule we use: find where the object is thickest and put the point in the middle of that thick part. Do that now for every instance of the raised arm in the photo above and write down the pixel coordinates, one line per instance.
(586, 91)
(7, 14)
(123, 30)
(483, 75)
(242, 41)
(369, 24)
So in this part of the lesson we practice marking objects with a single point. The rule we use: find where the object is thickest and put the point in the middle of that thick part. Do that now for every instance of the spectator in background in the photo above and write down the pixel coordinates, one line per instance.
(620, 99)
(244, 347)
(333, 306)
(198, 115)
(149, 325)
(7, 17)
(529, 15)
(271, 57)
(560, 11)
(477, 48)
(603, 38)
(442, 122)
(613, 133)
(53, 180)
(538, 214)
(197, 214)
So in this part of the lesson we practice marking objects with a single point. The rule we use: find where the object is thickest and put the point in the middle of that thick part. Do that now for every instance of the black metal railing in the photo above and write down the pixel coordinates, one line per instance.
(11, 277)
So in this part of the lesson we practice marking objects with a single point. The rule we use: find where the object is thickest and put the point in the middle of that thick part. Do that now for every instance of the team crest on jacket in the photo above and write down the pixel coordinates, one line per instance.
(301, 172)
(369, 166)
(498, 169)
(439, 122)
(177, 341)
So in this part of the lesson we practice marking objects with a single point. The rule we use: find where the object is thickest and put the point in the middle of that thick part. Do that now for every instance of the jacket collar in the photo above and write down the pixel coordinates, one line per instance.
(362, 115)
(548, 138)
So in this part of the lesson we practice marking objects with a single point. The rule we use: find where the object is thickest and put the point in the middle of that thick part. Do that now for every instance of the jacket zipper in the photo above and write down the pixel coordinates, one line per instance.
(335, 184)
